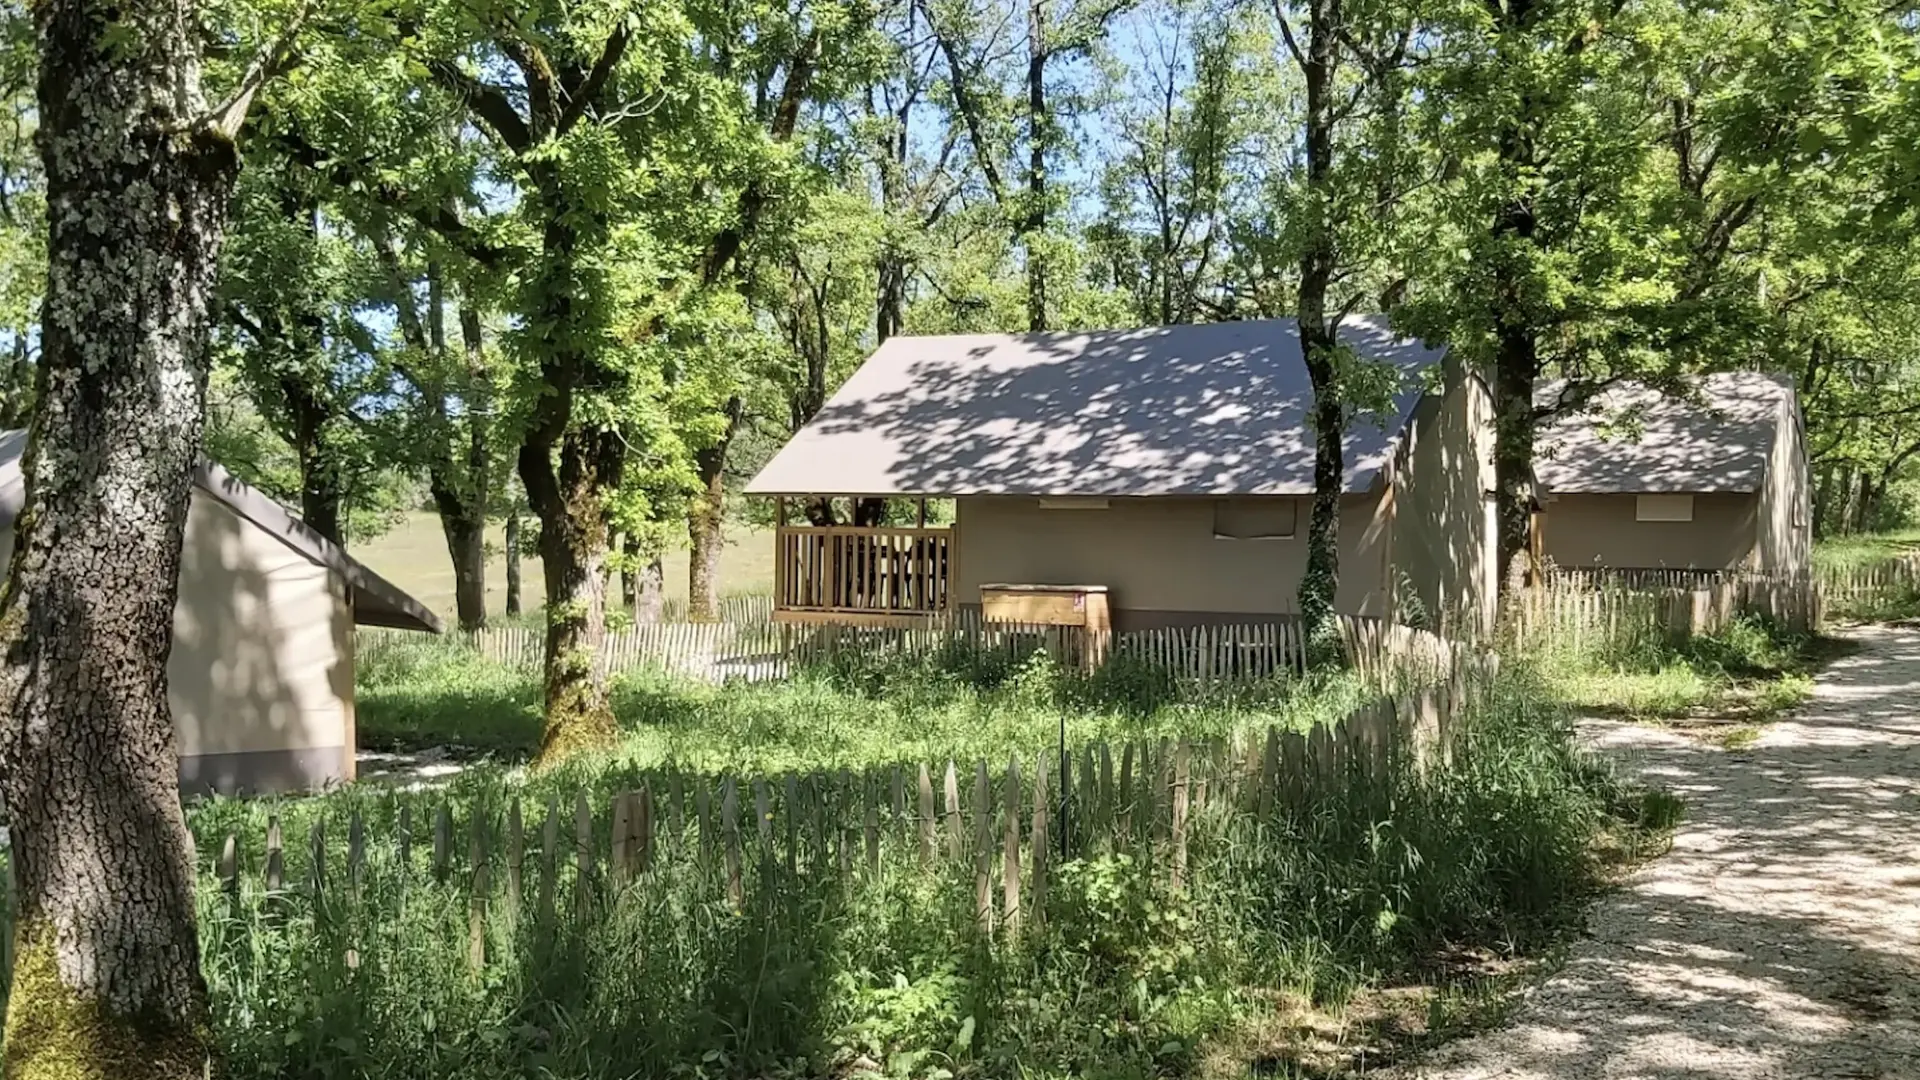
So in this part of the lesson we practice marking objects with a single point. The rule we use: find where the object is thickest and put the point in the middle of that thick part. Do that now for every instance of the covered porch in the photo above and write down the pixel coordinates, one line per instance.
(861, 575)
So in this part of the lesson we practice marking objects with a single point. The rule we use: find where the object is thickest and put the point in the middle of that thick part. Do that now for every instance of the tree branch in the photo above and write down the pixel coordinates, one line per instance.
(488, 102)
(753, 201)
(589, 91)
(230, 116)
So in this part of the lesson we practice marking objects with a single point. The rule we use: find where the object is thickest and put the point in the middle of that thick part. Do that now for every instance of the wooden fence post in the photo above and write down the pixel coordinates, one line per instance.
(477, 900)
(516, 852)
(982, 849)
(1010, 871)
(730, 826)
(549, 861)
(643, 824)
(442, 842)
(356, 852)
(276, 860)
(405, 838)
(1181, 777)
(1041, 853)
(228, 871)
(583, 856)
(621, 842)
(926, 817)
(952, 792)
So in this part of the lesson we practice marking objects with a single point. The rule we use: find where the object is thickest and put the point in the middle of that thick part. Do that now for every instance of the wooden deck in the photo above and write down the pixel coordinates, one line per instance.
(857, 576)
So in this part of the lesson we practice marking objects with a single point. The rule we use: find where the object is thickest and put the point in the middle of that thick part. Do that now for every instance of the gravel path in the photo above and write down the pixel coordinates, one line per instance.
(1781, 937)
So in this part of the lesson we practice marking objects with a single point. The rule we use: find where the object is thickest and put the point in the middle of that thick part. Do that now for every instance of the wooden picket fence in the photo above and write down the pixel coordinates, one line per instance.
(996, 829)
(1200, 657)
(1675, 605)
(1883, 586)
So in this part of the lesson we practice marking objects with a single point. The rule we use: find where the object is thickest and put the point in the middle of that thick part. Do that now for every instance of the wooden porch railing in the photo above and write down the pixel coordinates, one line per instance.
(852, 570)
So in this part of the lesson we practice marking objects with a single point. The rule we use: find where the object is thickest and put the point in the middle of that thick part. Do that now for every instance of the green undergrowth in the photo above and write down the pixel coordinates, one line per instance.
(958, 703)
(1744, 675)
(1863, 549)
(1419, 888)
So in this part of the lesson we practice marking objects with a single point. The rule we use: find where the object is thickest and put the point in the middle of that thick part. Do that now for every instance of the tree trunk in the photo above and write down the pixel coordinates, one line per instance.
(465, 527)
(459, 483)
(106, 978)
(1849, 500)
(1866, 506)
(706, 523)
(16, 388)
(1515, 369)
(650, 595)
(1038, 134)
(1320, 583)
(573, 548)
(513, 559)
(1822, 501)
(322, 494)
(819, 512)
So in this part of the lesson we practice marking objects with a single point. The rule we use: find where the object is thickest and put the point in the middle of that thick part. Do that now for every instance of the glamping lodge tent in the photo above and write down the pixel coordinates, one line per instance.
(261, 676)
(1710, 479)
(1163, 476)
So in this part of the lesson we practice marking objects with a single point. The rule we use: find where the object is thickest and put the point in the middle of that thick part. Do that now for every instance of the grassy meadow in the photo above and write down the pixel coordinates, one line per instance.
(413, 555)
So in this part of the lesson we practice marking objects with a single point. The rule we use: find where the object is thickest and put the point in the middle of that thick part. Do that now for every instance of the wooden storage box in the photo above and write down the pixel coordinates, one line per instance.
(1047, 605)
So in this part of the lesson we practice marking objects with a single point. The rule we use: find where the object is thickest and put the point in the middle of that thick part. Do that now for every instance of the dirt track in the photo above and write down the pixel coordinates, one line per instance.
(1781, 937)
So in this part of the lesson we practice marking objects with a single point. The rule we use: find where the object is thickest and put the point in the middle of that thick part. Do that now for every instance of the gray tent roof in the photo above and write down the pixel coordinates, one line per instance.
(376, 601)
(1216, 409)
(1716, 436)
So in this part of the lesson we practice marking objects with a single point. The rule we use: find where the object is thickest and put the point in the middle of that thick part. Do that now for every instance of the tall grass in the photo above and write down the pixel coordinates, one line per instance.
(823, 971)
(852, 712)
(1752, 667)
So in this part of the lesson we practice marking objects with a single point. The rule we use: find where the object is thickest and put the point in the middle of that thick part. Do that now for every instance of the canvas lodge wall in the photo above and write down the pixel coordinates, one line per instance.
(260, 679)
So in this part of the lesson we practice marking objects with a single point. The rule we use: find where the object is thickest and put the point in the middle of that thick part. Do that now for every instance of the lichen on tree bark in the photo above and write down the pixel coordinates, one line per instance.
(137, 182)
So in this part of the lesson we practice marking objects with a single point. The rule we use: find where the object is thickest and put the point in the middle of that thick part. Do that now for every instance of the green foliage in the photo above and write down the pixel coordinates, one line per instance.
(854, 711)
(819, 972)
(1749, 670)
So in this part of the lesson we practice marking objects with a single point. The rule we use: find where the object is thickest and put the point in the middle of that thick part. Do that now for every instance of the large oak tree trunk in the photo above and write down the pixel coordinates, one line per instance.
(107, 980)
(322, 495)
(574, 537)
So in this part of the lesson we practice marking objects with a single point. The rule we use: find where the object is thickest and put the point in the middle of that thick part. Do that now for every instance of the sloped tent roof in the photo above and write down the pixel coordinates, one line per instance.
(1716, 435)
(376, 601)
(1207, 410)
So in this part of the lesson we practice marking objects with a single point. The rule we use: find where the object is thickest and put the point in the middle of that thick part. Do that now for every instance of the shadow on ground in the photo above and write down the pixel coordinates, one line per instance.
(1779, 939)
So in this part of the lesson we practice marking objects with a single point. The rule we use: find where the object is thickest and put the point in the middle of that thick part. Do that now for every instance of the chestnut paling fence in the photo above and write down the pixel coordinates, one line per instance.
(994, 829)
(1198, 657)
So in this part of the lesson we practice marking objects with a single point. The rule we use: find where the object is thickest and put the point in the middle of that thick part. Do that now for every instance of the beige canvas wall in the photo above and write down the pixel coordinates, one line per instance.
(1442, 546)
(261, 675)
(1586, 531)
(1786, 502)
(1159, 557)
